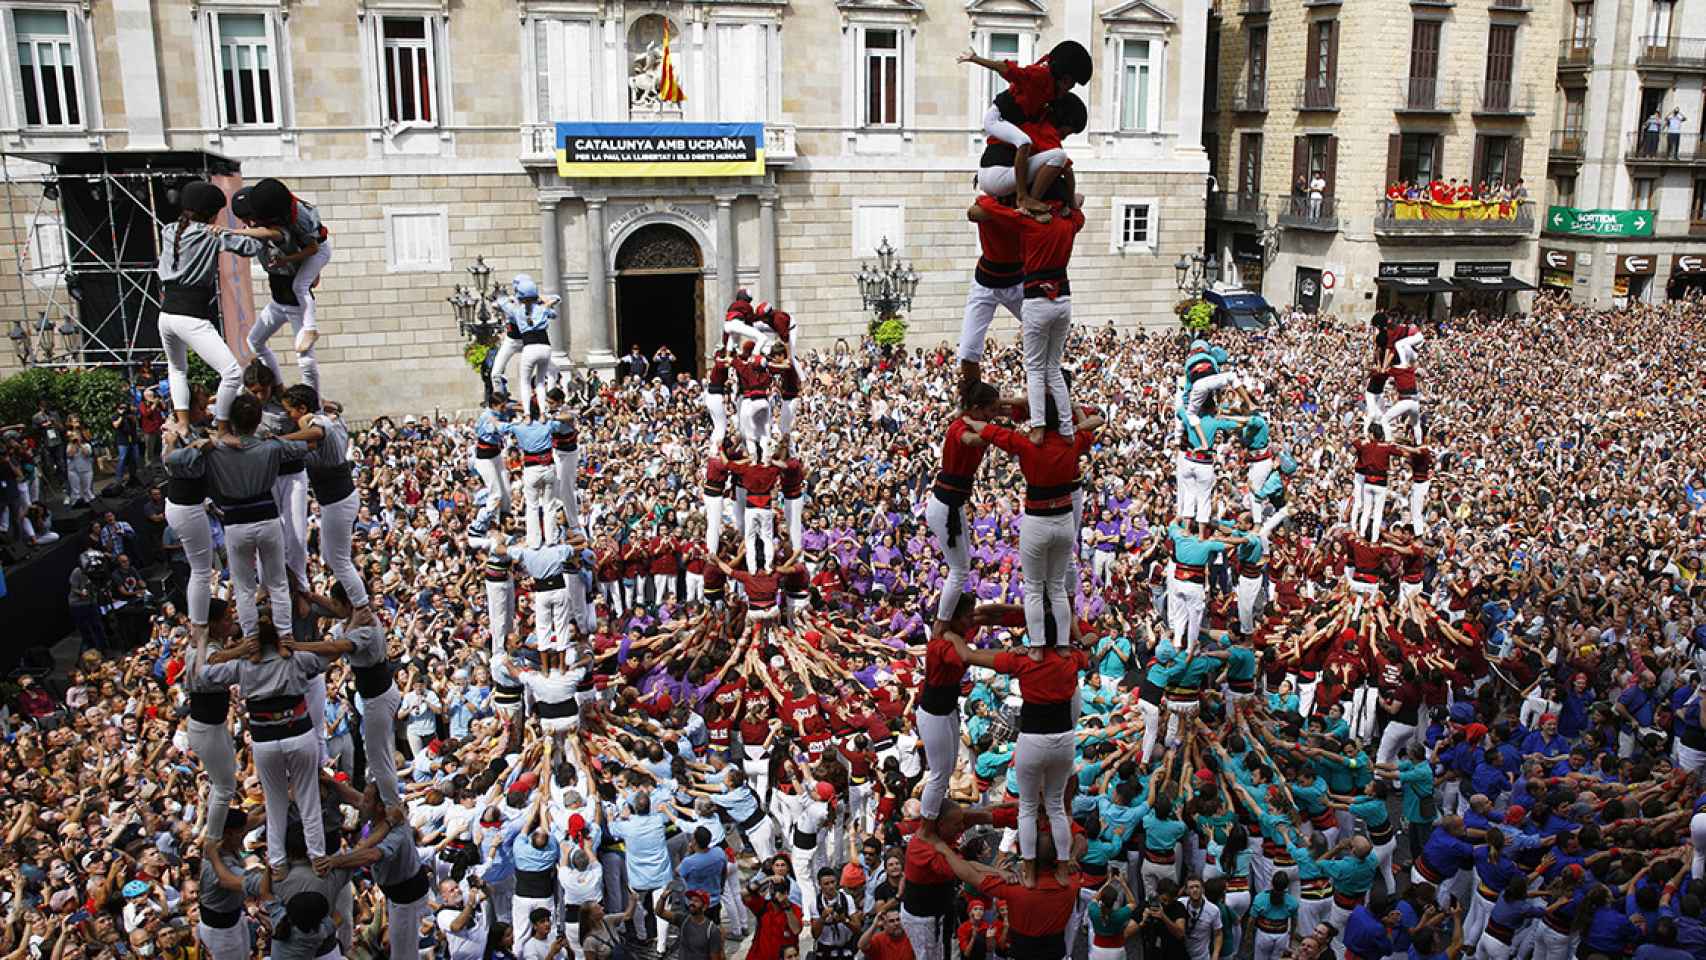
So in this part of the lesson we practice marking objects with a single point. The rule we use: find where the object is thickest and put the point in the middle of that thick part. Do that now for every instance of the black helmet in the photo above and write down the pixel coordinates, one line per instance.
(242, 205)
(201, 198)
(270, 201)
(1069, 59)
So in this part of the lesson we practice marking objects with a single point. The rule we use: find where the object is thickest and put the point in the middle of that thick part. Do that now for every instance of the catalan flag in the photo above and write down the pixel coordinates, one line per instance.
(669, 89)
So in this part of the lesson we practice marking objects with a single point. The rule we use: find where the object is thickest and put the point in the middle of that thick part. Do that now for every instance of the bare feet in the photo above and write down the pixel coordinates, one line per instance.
(1032, 205)
(1035, 653)
(1063, 872)
(362, 616)
(1028, 872)
(1036, 436)
(927, 830)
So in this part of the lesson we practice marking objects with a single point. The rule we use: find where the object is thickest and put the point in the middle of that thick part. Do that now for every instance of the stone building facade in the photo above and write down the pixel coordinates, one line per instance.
(424, 130)
(1360, 95)
(1620, 62)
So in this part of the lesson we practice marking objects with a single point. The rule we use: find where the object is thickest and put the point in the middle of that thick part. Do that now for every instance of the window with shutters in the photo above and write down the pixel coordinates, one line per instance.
(742, 72)
(1645, 194)
(1498, 160)
(49, 66)
(408, 68)
(563, 51)
(245, 64)
(1581, 25)
(1318, 165)
(999, 46)
(1496, 91)
(882, 76)
(1697, 206)
(1134, 226)
(417, 239)
(1256, 70)
(1659, 17)
(1418, 156)
(1250, 164)
(46, 264)
(1564, 190)
(1321, 77)
(1138, 88)
(1575, 112)
(1423, 86)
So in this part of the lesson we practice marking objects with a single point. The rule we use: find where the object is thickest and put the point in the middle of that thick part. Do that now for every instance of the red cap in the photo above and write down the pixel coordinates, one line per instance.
(852, 876)
(577, 826)
(1546, 718)
(825, 791)
(341, 777)
(524, 783)
(1206, 776)
(700, 897)
(1475, 731)
(1515, 814)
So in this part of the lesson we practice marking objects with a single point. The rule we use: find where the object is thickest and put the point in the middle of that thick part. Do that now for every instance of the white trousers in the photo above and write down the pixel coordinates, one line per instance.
(180, 334)
(941, 737)
(1186, 601)
(290, 771)
(500, 364)
(80, 479)
(1249, 593)
(495, 476)
(1393, 741)
(1697, 836)
(1475, 922)
(567, 464)
(957, 555)
(337, 529)
(760, 525)
(551, 618)
(1256, 473)
(1270, 945)
(379, 739)
(316, 697)
(1419, 508)
(406, 918)
(717, 406)
(249, 544)
(927, 935)
(981, 303)
(1194, 489)
(1045, 324)
(190, 523)
(538, 491)
(537, 374)
(307, 272)
(1405, 407)
(755, 424)
(272, 319)
(213, 746)
(1042, 762)
(1045, 554)
(1373, 510)
(784, 417)
(736, 332)
(999, 181)
(1549, 944)
(1406, 349)
(500, 611)
(1151, 714)
(1362, 712)
(713, 525)
(290, 493)
(794, 513)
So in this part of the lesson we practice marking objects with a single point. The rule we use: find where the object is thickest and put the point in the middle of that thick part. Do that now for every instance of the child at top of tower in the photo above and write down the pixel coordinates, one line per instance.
(1030, 91)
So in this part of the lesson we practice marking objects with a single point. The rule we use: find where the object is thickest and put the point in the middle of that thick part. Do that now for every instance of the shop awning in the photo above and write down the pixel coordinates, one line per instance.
(1417, 284)
(1493, 284)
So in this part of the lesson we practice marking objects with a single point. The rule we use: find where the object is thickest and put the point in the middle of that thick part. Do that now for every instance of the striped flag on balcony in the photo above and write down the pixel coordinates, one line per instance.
(669, 89)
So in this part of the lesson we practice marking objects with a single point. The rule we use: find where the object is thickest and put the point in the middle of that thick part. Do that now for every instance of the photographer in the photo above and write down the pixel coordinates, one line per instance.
(127, 443)
(86, 588)
(700, 937)
(837, 921)
(462, 918)
(779, 922)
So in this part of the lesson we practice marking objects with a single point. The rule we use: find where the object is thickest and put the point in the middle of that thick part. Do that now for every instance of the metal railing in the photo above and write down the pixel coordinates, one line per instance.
(1427, 95)
(1309, 213)
(1663, 147)
(1505, 97)
(1250, 7)
(1238, 206)
(1386, 220)
(1512, 4)
(1250, 99)
(1313, 94)
(1673, 52)
(1575, 52)
(540, 140)
(1569, 143)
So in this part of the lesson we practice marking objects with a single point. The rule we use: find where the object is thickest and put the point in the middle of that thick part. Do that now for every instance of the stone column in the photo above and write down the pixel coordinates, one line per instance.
(767, 276)
(726, 284)
(595, 328)
(139, 73)
(551, 280)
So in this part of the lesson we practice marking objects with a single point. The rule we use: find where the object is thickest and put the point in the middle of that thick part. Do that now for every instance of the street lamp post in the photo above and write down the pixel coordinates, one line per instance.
(478, 318)
(1195, 273)
(887, 288)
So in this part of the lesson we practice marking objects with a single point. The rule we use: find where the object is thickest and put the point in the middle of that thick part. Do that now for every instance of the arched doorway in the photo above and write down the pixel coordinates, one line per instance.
(660, 295)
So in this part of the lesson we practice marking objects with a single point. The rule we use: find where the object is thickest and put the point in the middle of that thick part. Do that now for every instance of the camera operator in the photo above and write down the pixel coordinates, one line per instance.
(778, 921)
(86, 588)
(130, 600)
(127, 440)
(462, 918)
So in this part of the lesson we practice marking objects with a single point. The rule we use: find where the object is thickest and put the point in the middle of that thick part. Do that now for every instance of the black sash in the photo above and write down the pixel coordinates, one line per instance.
(1048, 946)
(220, 919)
(210, 707)
(940, 700)
(373, 681)
(249, 511)
(188, 300)
(1045, 717)
(331, 484)
(186, 491)
(548, 710)
(537, 884)
(408, 891)
(804, 840)
(928, 899)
